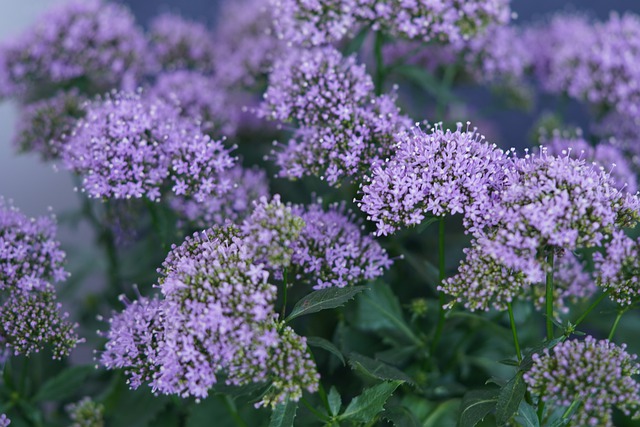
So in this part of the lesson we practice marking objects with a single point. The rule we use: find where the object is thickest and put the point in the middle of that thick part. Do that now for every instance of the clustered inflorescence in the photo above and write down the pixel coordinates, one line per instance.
(216, 318)
(595, 375)
(31, 261)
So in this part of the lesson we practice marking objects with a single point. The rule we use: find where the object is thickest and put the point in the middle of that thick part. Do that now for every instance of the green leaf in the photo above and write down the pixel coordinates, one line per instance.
(335, 401)
(509, 399)
(356, 43)
(64, 384)
(284, 414)
(324, 299)
(527, 416)
(476, 405)
(444, 415)
(326, 345)
(509, 362)
(212, 408)
(426, 81)
(377, 369)
(400, 416)
(379, 310)
(136, 408)
(370, 403)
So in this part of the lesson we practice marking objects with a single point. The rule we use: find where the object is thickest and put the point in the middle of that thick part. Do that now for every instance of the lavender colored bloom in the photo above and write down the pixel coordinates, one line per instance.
(177, 43)
(584, 60)
(129, 146)
(199, 97)
(91, 44)
(343, 127)
(217, 315)
(44, 125)
(598, 374)
(246, 46)
(333, 250)
(249, 185)
(30, 261)
(618, 269)
(4, 421)
(621, 131)
(547, 204)
(604, 155)
(323, 22)
(436, 173)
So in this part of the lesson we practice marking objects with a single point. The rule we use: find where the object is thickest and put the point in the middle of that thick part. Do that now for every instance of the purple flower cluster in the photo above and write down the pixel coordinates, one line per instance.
(618, 269)
(343, 127)
(246, 46)
(4, 421)
(44, 125)
(199, 97)
(30, 262)
(177, 43)
(323, 22)
(129, 145)
(547, 204)
(333, 250)
(91, 44)
(597, 374)
(594, 62)
(216, 317)
(249, 185)
(603, 155)
(436, 173)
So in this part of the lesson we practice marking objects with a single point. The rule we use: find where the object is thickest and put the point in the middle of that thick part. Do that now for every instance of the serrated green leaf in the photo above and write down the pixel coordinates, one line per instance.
(326, 345)
(527, 416)
(400, 416)
(379, 310)
(284, 414)
(509, 399)
(64, 384)
(335, 401)
(370, 403)
(475, 406)
(324, 299)
(378, 369)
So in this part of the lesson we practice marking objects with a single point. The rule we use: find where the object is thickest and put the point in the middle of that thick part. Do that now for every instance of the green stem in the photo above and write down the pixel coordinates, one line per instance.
(233, 411)
(615, 325)
(570, 409)
(590, 309)
(515, 332)
(441, 277)
(549, 294)
(156, 223)
(380, 68)
(540, 411)
(314, 411)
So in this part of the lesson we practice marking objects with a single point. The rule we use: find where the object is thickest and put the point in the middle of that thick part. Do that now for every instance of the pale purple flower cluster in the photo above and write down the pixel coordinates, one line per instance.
(333, 250)
(217, 316)
(621, 131)
(597, 374)
(30, 262)
(618, 269)
(246, 46)
(343, 127)
(4, 421)
(92, 44)
(249, 185)
(603, 155)
(321, 22)
(129, 145)
(199, 97)
(44, 125)
(596, 62)
(547, 204)
(177, 43)
(436, 173)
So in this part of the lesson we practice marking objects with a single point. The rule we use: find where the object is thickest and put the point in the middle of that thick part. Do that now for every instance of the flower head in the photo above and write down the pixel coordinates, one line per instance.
(130, 146)
(90, 43)
(45, 125)
(4, 421)
(86, 413)
(180, 44)
(597, 374)
(618, 269)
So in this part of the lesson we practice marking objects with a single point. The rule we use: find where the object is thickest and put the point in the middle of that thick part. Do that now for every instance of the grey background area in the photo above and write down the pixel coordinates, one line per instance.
(35, 186)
